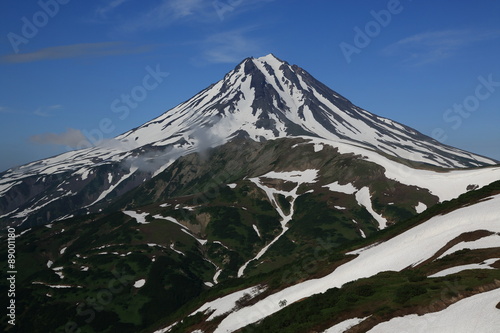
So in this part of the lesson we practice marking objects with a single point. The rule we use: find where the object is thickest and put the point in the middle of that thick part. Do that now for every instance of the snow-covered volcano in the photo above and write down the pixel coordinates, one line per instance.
(261, 99)
(266, 98)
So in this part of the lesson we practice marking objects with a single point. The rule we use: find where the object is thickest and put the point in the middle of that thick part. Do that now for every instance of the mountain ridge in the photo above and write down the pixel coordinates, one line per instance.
(262, 99)
(265, 203)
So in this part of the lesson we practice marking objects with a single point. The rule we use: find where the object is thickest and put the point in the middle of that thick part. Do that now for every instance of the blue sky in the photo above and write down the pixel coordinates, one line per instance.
(65, 64)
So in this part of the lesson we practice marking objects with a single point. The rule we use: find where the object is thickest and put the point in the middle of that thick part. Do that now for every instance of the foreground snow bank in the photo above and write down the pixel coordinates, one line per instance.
(409, 248)
(228, 303)
(345, 325)
(473, 314)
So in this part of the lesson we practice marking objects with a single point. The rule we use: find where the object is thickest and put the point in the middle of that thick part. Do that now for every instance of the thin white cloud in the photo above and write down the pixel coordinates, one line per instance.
(39, 112)
(71, 138)
(230, 47)
(43, 111)
(46, 111)
(166, 13)
(103, 11)
(434, 46)
(76, 51)
(183, 8)
(170, 12)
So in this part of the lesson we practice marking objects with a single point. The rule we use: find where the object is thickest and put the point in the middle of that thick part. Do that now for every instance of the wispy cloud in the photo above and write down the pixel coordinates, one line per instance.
(103, 11)
(39, 112)
(71, 138)
(183, 8)
(166, 13)
(76, 51)
(46, 111)
(171, 12)
(5, 109)
(42, 111)
(434, 46)
(230, 46)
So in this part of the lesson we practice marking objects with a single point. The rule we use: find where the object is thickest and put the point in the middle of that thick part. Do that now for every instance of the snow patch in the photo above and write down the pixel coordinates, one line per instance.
(361, 232)
(299, 177)
(477, 313)
(420, 207)
(112, 187)
(452, 270)
(57, 286)
(363, 198)
(216, 275)
(176, 251)
(201, 241)
(5, 187)
(306, 176)
(184, 228)
(139, 283)
(166, 329)
(345, 325)
(257, 230)
(22, 232)
(139, 217)
(487, 242)
(58, 272)
(227, 303)
(336, 187)
(318, 147)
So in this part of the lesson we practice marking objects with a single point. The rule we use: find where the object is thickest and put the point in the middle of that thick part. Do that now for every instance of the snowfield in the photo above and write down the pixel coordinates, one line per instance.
(227, 303)
(345, 325)
(473, 314)
(139, 217)
(364, 199)
(484, 265)
(299, 177)
(481, 243)
(445, 185)
(420, 207)
(409, 248)
(336, 187)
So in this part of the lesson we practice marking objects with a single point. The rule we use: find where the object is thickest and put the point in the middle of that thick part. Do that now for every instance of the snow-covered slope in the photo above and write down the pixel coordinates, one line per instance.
(445, 184)
(474, 314)
(261, 99)
(407, 249)
(267, 98)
